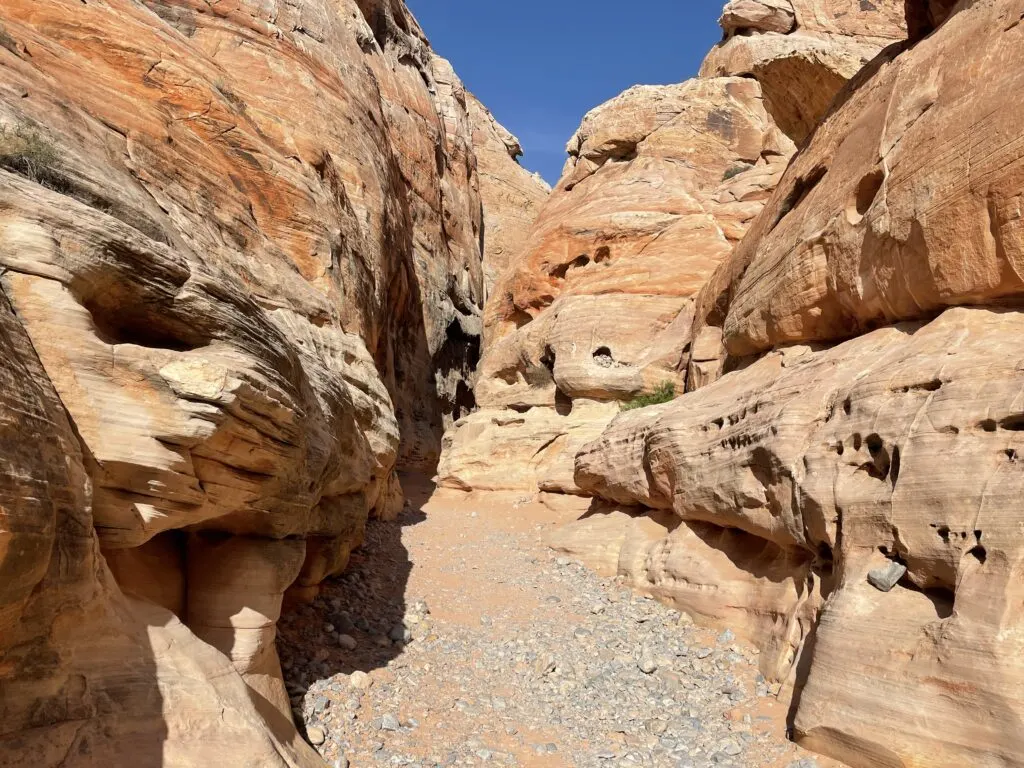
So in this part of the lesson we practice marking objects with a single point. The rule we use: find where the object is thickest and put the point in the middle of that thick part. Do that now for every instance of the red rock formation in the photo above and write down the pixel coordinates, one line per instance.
(241, 260)
(660, 185)
(843, 443)
(511, 195)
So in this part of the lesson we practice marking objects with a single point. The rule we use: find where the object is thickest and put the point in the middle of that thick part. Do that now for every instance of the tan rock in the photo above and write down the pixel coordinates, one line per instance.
(758, 15)
(241, 258)
(802, 52)
(87, 676)
(503, 449)
(598, 307)
(512, 196)
(901, 441)
(660, 184)
(864, 231)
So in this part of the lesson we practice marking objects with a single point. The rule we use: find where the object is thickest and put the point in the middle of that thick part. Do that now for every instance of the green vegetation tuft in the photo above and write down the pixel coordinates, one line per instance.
(663, 393)
(736, 170)
(25, 151)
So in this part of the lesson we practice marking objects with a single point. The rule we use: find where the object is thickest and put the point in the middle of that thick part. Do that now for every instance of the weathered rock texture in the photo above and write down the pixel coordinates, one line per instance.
(802, 51)
(512, 196)
(660, 184)
(868, 420)
(240, 250)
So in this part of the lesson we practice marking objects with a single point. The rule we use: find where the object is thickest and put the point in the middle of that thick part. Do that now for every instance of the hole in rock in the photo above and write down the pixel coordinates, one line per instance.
(881, 462)
(867, 191)
(520, 318)
(602, 254)
(847, 406)
(143, 326)
(979, 554)
(563, 403)
(825, 552)
(603, 357)
(943, 532)
(989, 425)
(942, 599)
(548, 358)
(509, 375)
(1014, 423)
(856, 441)
(1011, 454)
(578, 263)
(894, 466)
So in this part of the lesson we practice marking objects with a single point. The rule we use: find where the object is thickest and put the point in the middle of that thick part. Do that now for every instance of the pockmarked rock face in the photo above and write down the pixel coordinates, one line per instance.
(661, 181)
(241, 283)
(802, 52)
(863, 230)
(660, 185)
(900, 445)
(845, 492)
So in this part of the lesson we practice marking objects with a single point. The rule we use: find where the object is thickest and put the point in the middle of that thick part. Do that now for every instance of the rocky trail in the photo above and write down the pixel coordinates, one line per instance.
(458, 637)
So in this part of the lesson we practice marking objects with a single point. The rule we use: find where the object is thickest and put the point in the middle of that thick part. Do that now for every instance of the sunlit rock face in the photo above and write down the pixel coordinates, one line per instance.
(660, 185)
(802, 52)
(841, 483)
(512, 196)
(242, 281)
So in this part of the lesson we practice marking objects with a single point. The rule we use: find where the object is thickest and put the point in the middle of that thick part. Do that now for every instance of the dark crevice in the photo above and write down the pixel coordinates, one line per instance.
(548, 359)
(563, 403)
(1014, 423)
(563, 269)
(867, 190)
(801, 189)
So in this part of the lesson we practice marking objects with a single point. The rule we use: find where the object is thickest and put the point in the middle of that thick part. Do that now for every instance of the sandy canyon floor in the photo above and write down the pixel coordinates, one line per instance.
(457, 637)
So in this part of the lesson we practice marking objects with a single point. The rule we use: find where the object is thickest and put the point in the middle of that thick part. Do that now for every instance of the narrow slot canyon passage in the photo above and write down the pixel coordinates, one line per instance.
(516, 654)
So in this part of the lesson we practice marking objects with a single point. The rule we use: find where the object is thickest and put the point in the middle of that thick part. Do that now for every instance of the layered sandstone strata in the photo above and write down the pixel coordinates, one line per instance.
(512, 196)
(659, 186)
(241, 261)
(867, 420)
(802, 51)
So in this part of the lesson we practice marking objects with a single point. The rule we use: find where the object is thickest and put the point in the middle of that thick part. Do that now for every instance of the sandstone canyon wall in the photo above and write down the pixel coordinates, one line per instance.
(512, 196)
(842, 482)
(660, 185)
(241, 282)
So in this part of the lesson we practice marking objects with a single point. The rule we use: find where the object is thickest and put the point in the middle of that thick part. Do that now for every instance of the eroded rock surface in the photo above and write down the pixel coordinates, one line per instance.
(660, 184)
(241, 281)
(512, 196)
(802, 52)
(844, 493)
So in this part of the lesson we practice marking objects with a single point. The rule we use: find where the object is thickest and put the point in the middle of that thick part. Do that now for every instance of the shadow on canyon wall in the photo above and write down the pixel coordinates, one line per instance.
(367, 602)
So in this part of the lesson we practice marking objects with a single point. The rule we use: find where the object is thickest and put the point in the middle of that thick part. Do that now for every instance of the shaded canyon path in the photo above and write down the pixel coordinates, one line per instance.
(457, 637)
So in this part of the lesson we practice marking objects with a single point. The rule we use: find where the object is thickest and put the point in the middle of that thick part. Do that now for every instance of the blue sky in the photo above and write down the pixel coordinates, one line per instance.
(540, 65)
